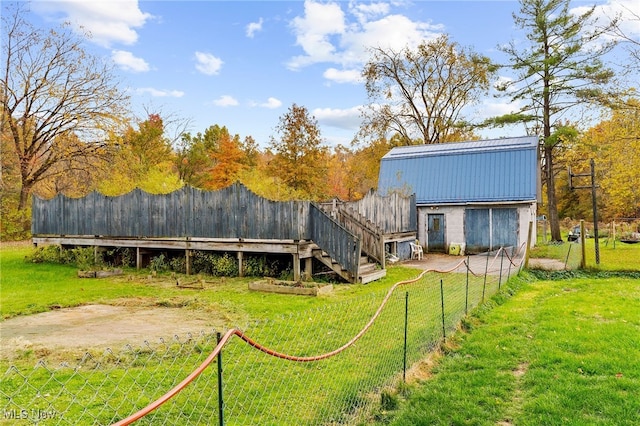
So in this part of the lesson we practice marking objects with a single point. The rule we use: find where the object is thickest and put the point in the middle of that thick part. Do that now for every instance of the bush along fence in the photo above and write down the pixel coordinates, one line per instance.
(327, 366)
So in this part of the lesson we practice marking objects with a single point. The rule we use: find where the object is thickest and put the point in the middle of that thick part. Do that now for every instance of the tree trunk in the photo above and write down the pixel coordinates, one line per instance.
(552, 207)
(25, 190)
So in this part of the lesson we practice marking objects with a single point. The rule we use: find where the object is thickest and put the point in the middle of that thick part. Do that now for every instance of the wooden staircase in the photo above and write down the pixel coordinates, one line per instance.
(367, 271)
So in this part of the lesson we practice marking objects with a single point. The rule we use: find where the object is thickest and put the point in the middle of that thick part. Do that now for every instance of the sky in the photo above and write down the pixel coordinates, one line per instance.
(243, 64)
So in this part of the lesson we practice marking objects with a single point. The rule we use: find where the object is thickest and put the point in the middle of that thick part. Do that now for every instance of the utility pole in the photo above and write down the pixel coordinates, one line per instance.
(593, 200)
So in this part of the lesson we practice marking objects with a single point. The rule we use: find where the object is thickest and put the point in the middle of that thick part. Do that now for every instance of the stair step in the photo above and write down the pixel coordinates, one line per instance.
(372, 276)
(366, 268)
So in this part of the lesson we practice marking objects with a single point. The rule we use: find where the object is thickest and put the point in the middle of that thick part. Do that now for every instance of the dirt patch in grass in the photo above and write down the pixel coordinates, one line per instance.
(99, 326)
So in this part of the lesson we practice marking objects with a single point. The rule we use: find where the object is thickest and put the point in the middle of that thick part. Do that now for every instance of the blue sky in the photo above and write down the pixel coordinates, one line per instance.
(242, 64)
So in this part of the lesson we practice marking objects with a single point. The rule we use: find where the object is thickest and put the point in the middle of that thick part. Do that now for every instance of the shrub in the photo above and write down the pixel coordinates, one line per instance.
(86, 259)
(260, 266)
(45, 254)
(120, 256)
(178, 264)
(202, 262)
(159, 263)
(225, 266)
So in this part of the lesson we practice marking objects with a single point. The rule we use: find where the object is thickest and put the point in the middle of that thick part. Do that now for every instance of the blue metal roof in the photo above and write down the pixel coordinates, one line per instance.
(463, 172)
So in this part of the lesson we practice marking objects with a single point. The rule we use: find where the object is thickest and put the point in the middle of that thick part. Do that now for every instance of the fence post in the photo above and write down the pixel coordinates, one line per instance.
(501, 260)
(406, 326)
(486, 271)
(583, 258)
(220, 399)
(466, 296)
(510, 263)
(527, 251)
(566, 260)
(444, 332)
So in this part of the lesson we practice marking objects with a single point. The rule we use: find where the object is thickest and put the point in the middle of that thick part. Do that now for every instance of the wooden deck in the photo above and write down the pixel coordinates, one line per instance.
(232, 220)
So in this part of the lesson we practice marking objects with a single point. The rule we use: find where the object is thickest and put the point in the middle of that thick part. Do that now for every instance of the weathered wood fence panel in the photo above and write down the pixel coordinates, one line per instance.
(393, 213)
(371, 237)
(233, 212)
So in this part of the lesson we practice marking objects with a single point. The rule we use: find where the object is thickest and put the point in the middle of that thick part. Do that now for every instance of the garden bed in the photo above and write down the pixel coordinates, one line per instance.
(291, 287)
(99, 274)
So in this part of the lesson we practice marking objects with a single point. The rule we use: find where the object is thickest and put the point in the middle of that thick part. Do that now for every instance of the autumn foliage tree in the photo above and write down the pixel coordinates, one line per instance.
(142, 158)
(229, 162)
(53, 94)
(300, 158)
(614, 144)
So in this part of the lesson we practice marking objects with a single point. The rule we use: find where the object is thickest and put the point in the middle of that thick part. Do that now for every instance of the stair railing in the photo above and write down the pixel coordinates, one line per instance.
(338, 242)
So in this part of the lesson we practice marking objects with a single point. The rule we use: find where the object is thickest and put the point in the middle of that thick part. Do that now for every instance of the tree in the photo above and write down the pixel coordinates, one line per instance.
(421, 94)
(228, 160)
(614, 144)
(629, 41)
(338, 173)
(53, 91)
(142, 158)
(197, 156)
(559, 68)
(299, 156)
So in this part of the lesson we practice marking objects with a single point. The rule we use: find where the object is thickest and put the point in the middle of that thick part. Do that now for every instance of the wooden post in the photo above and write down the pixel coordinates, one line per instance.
(383, 261)
(296, 267)
(187, 258)
(583, 258)
(308, 268)
(240, 264)
(527, 250)
(138, 258)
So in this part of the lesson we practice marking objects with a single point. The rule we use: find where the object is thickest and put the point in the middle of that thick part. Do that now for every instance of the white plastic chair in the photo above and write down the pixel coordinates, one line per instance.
(416, 251)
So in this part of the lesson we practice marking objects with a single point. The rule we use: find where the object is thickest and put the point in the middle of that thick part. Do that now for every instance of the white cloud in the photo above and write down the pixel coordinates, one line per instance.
(157, 93)
(225, 101)
(313, 32)
(207, 63)
(272, 103)
(328, 34)
(126, 61)
(628, 10)
(495, 109)
(108, 22)
(364, 12)
(343, 76)
(347, 119)
(254, 27)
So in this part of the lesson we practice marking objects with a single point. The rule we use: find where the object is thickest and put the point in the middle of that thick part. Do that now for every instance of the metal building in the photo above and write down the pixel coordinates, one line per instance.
(477, 195)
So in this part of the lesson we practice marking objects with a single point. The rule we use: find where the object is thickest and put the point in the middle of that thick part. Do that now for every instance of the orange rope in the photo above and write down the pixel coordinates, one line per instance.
(234, 331)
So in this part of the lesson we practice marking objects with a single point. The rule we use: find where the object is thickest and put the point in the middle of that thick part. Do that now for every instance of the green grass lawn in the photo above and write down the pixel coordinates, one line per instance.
(29, 288)
(257, 386)
(560, 351)
(613, 257)
(557, 352)
(554, 352)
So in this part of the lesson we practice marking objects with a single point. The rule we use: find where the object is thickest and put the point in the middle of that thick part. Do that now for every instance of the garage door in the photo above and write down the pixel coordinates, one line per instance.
(489, 229)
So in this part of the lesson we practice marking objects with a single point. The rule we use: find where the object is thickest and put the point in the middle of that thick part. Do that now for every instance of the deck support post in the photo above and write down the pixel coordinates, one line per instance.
(138, 258)
(241, 264)
(308, 268)
(187, 261)
(296, 267)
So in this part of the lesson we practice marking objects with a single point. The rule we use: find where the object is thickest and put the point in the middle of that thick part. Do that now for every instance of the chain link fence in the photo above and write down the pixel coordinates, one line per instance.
(328, 366)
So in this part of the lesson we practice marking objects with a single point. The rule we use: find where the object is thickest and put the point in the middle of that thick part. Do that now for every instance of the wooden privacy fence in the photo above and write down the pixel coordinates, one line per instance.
(232, 212)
